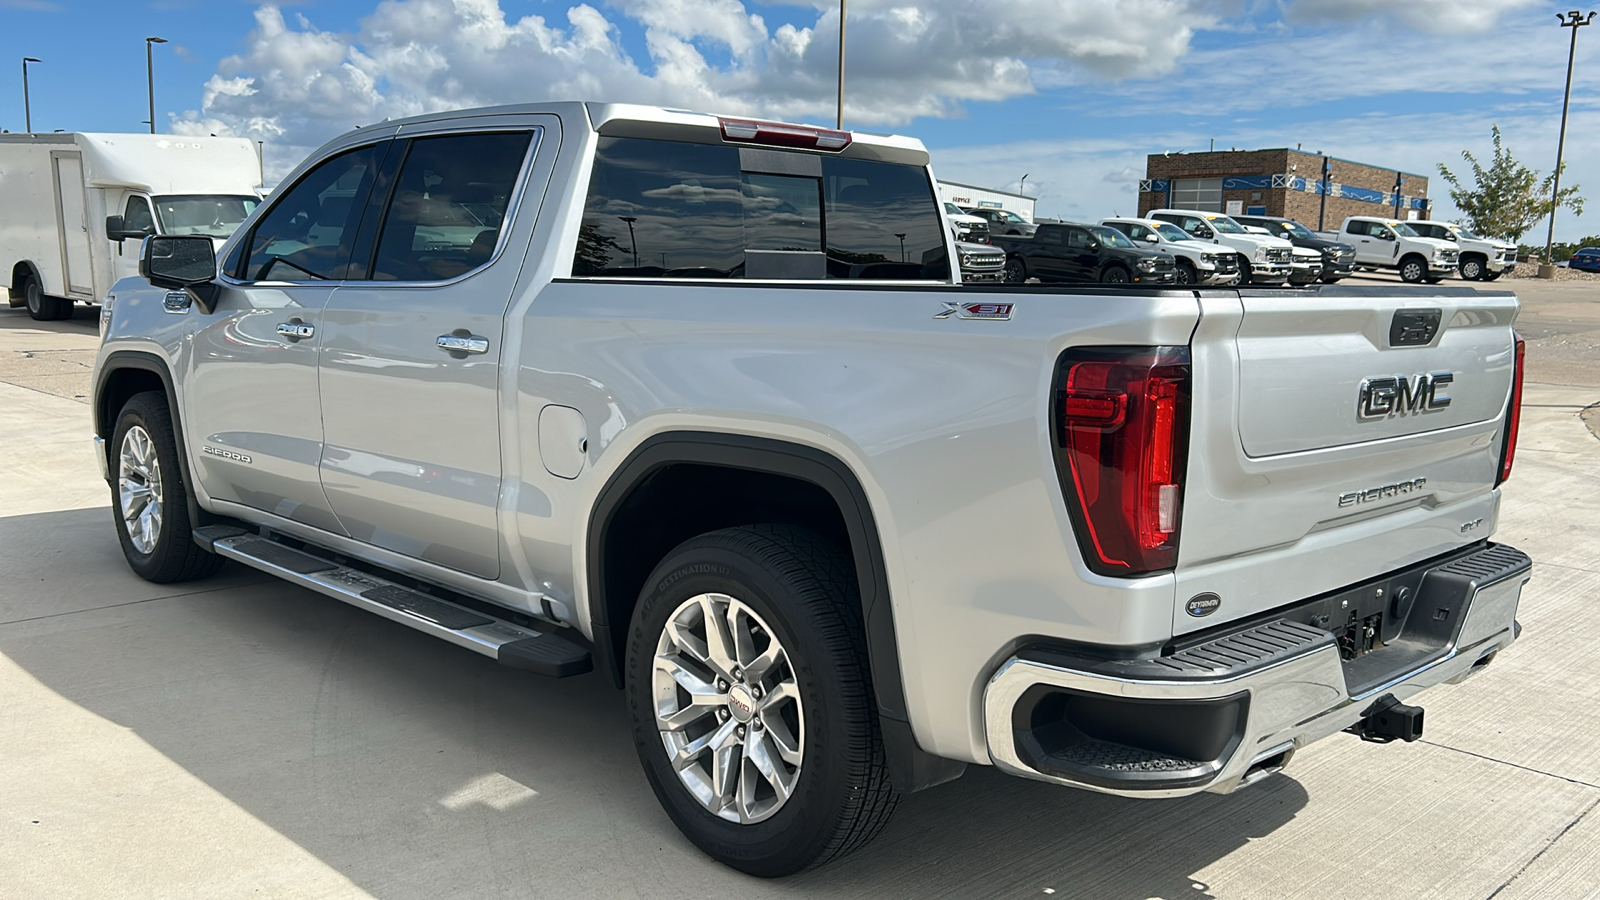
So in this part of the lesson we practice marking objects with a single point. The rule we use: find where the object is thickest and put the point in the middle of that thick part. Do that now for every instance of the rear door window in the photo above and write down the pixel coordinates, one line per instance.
(450, 199)
(684, 210)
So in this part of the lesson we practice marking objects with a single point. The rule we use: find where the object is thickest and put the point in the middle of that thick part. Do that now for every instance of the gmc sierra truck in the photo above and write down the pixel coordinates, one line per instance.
(700, 403)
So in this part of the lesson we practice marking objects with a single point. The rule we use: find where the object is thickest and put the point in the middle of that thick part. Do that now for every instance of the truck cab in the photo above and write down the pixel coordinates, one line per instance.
(1198, 262)
(1393, 244)
(972, 229)
(1482, 258)
(1338, 258)
(1263, 259)
(1003, 221)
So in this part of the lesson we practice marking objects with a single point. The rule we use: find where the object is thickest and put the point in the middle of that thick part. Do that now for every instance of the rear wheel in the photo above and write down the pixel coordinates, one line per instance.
(750, 701)
(1186, 273)
(1413, 269)
(41, 307)
(149, 499)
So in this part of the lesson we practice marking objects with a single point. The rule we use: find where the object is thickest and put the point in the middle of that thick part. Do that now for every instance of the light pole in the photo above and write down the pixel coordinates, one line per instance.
(27, 105)
(1573, 20)
(1023, 184)
(902, 236)
(630, 220)
(1322, 208)
(150, 76)
(838, 121)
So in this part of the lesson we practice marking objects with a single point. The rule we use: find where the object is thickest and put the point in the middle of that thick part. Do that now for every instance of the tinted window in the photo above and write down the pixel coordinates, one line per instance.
(306, 234)
(667, 208)
(136, 216)
(1077, 238)
(450, 198)
(1049, 235)
(1356, 228)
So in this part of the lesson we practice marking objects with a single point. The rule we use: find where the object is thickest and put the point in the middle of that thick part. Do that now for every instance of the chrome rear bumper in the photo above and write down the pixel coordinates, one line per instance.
(1252, 696)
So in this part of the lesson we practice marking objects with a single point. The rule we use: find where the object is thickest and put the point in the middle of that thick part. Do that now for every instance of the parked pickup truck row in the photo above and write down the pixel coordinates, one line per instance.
(701, 404)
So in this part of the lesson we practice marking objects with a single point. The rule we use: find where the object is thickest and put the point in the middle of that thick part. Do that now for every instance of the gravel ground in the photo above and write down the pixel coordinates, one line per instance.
(1531, 270)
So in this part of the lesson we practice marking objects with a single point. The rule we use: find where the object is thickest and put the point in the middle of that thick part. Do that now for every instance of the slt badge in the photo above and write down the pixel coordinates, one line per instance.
(977, 309)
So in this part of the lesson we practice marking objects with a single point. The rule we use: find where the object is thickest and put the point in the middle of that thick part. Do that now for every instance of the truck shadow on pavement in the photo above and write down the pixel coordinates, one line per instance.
(418, 769)
(84, 320)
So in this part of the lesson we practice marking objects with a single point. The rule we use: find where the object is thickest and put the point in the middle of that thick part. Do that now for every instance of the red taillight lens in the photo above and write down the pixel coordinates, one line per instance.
(1122, 436)
(1508, 447)
(750, 131)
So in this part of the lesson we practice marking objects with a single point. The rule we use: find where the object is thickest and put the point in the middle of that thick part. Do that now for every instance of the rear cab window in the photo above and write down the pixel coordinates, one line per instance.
(675, 209)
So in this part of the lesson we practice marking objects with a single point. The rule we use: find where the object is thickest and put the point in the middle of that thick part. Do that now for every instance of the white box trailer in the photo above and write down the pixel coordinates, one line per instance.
(70, 204)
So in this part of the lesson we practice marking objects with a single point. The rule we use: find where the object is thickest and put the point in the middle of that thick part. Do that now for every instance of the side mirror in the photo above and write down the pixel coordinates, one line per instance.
(1387, 235)
(185, 263)
(1152, 239)
(115, 230)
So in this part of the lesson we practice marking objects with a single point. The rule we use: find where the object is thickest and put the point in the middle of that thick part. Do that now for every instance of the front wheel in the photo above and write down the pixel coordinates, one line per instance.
(1472, 268)
(149, 500)
(1114, 275)
(1016, 272)
(1186, 272)
(1244, 269)
(750, 700)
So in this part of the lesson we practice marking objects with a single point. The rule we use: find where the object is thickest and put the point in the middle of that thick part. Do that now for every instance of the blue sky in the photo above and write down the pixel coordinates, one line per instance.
(1072, 92)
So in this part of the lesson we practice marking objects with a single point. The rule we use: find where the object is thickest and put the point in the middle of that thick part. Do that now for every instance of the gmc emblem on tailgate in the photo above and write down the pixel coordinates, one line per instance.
(1386, 395)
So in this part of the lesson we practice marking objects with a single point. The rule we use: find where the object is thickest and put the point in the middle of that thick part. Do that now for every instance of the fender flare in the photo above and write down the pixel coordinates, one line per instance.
(105, 419)
(911, 768)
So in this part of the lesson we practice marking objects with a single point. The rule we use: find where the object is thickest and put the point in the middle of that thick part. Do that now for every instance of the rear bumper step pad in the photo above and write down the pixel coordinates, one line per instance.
(513, 645)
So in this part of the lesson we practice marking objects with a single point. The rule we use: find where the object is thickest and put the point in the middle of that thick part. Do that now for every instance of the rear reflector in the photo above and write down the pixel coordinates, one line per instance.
(1508, 447)
(750, 131)
(1122, 432)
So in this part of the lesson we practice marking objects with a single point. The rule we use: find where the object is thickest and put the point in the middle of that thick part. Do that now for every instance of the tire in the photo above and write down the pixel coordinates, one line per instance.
(1472, 268)
(153, 524)
(1491, 276)
(1186, 273)
(1413, 269)
(40, 307)
(1114, 275)
(1015, 272)
(1244, 269)
(769, 581)
(1331, 280)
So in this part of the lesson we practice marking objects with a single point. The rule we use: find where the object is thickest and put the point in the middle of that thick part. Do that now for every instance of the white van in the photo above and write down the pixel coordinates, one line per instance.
(73, 207)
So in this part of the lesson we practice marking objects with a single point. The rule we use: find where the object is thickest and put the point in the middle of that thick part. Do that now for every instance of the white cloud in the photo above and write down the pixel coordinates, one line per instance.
(297, 85)
(1434, 16)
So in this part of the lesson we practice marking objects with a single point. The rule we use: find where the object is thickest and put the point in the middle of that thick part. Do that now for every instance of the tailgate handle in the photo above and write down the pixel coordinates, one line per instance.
(1414, 327)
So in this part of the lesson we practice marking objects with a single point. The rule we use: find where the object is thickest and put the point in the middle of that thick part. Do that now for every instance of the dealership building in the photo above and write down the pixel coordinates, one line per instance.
(967, 195)
(1319, 191)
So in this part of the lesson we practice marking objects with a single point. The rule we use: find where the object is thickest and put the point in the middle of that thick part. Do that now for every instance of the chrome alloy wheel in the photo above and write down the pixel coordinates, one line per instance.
(139, 488)
(728, 708)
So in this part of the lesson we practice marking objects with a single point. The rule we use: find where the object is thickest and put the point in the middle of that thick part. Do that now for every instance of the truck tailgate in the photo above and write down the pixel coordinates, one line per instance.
(1338, 434)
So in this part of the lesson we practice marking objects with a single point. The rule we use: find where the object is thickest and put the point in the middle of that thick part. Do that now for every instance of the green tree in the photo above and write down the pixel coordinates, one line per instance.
(1507, 198)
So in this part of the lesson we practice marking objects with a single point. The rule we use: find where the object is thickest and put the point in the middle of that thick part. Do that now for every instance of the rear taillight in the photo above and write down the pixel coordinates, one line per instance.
(775, 134)
(1122, 433)
(1508, 447)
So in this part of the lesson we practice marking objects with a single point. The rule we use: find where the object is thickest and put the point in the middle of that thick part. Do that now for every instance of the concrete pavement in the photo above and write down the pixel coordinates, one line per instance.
(240, 737)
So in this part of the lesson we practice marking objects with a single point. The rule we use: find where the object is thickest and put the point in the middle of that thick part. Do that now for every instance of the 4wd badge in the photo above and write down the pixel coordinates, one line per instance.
(978, 309)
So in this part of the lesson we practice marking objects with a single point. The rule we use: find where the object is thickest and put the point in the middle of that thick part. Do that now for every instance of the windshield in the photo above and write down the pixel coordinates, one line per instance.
(953, 210)
(1467, 233)
(1010, 217)
(1295, 229)
(213, 215)
(1225, 225)
(1111, 237)
(1170, 232)
(1404, 230)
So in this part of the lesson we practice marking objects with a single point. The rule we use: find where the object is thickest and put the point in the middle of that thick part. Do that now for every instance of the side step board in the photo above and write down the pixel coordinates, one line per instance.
(513, 645)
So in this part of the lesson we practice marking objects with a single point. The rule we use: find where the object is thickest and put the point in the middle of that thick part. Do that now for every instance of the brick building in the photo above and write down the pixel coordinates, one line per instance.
(1281, 183)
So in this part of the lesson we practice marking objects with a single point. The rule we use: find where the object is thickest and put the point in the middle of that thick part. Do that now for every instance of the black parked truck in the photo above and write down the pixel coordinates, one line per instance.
(1338, 259)
(1086, 253)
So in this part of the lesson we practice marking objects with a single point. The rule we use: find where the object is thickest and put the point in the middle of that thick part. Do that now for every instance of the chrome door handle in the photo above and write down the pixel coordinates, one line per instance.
(457, 343)
(296, 331)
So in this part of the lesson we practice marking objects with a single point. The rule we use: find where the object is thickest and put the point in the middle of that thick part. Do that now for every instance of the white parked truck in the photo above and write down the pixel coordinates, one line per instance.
(1393, 244)
(700, 404)
(1199, 262)
(1482, 258)
(1263, 259)
(76, 205)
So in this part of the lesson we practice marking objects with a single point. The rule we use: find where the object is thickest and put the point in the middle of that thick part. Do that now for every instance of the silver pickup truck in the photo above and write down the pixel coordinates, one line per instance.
(701, 404)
